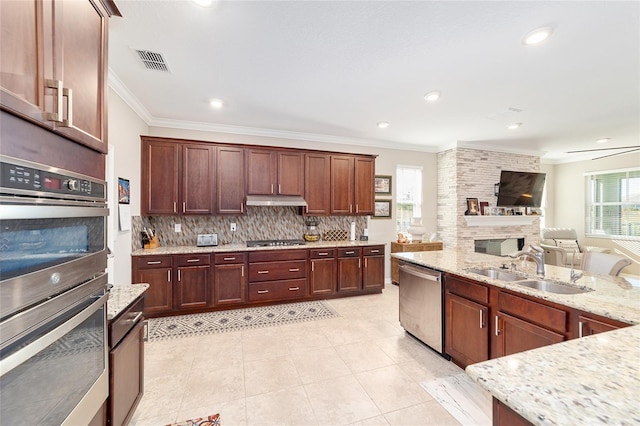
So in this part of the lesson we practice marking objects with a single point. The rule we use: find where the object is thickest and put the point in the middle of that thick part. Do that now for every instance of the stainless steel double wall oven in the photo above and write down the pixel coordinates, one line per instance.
(53, 334)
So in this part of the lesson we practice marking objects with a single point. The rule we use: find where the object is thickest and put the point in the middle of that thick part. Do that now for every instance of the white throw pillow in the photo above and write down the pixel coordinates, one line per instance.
(568, 245)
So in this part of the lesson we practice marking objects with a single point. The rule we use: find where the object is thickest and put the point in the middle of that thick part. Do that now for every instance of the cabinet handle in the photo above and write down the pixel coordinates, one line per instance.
(375, 251)
(174, 207)
(313, 266)
(580, 324)
(193, 260)
(356, 207)
(366, 263)
(349, 252)
(272, 188)
(241, 207)
(184, 206)
(350, 208)
(263, 272)
(481, 319)
(57, 86)
(179, 275)
(358, 263)
(229, 258)
(263, 291)
(497, 329)
(243, 270)
(294, 288)
(169, 275)
(134, 319)
(323, 254)
(279, 188)
(154, 262)
(66, 92)
(294, 269)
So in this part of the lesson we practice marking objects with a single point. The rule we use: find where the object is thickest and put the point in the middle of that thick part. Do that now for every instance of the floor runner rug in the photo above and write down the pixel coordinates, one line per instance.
(462, 398)
(200, 421)
(238, 319)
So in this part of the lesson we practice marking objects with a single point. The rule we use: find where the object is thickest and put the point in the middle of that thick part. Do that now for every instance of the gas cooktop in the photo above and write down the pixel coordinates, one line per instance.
(275, 243)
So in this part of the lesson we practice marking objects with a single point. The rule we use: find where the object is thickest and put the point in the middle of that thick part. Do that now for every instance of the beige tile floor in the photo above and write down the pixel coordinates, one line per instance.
(359, 369)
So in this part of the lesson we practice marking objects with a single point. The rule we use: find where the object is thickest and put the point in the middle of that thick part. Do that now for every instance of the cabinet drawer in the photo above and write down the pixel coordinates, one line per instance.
(149, 262)
(374, 251)
(221, 259)
(191, 260)
(271, 271)
(348, 252)
(322, 253)
(121, 325)
(546, 316)
(277, 255)
(276, 290)
(467, 289)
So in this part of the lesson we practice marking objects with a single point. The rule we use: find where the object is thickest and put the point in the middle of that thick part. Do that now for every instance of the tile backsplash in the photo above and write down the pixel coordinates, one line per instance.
(258, 223)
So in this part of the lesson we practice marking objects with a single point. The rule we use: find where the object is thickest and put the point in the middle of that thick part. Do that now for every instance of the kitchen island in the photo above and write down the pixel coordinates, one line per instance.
(590, 380)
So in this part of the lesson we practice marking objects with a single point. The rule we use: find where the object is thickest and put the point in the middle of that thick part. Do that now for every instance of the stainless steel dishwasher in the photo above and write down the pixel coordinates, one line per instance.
(421, 304)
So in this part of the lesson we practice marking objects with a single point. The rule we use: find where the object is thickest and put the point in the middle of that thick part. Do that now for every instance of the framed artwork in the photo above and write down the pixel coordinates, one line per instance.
(473, 208)
(382, 184)
(483, 207)
(382, 209)
(124, 191)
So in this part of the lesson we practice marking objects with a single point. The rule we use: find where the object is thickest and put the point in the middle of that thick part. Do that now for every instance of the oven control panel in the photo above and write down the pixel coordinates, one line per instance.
(25, 178)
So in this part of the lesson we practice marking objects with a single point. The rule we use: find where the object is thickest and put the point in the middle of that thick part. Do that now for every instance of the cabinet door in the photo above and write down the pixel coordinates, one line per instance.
(126, 368)
(323, 277)
(160, 174)
(261, 172)
(290, 173)
(80, 62)
(22, 70)
(317, 184)
(364, 177)
(198, 179)
(373, 272)
(230, 284)
(349, 274)
(230, 180)
(341, 184)
(589, 326)
(158, 297)
(515, 335)
(192, 287)
(467, 334)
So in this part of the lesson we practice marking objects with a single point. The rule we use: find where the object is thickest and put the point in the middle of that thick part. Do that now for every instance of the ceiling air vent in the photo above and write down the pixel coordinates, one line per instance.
(152, 60)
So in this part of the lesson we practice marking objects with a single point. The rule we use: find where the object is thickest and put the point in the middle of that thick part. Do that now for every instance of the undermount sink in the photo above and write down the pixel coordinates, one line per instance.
(497, 274)
(551, 287)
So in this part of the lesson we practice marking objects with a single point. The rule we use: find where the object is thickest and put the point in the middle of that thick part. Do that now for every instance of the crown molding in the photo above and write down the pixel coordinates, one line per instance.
(128, 97)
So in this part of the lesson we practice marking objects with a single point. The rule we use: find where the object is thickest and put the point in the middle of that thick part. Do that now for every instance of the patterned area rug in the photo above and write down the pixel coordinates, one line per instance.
(237, 319)
(200, 421)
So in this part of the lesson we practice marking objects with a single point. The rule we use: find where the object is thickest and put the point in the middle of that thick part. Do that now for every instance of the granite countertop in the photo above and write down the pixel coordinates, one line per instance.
(121, 296)
(591, 380)
(243, 247)
(617, 298)
(587, 381)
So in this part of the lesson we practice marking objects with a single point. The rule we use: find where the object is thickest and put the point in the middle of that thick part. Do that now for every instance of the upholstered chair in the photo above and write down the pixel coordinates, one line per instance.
(604, 263)
(561, 247)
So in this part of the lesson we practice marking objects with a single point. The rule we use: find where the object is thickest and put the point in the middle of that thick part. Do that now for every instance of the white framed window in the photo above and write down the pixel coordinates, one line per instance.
(408, 195)
(613, 203)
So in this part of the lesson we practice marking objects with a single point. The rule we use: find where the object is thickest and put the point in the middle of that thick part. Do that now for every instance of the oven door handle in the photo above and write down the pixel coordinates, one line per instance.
(21, 211)
(16, 359)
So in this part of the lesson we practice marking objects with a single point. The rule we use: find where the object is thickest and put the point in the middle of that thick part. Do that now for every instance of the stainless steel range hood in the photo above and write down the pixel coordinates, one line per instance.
(276, 200)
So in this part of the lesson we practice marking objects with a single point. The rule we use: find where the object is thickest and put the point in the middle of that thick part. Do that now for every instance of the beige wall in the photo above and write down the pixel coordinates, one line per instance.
(123, 160)
(568, 203)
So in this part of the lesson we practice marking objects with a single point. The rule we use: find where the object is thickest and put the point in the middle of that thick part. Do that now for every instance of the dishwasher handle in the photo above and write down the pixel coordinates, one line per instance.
(427, 274)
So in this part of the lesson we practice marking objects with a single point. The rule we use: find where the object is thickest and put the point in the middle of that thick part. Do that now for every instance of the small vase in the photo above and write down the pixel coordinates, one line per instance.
(417, 230)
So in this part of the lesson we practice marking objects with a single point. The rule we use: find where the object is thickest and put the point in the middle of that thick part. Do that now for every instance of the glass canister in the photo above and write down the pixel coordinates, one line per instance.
(312, 234)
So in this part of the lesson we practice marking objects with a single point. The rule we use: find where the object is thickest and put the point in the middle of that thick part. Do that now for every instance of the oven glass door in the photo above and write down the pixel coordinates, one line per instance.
(58, 371)
(45, 250)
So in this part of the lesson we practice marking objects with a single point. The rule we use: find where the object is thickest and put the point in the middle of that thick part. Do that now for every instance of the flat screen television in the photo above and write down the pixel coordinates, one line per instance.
(520, 189)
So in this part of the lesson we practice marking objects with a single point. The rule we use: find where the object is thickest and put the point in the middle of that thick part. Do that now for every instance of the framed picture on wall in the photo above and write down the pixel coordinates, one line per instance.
(382, 209)
(124, 191)
(382, 184)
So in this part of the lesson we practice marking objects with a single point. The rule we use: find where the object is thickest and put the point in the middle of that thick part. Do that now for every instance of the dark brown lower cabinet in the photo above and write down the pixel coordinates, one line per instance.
(588, 326)
(505, 416)
(373, 270)
(467, 334)
(126, 364)
(515, 335)
(349, 269)
(323, 277)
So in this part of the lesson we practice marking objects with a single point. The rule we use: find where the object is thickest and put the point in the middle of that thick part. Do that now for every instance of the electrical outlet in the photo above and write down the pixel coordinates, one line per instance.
(233, 227)
(177, 227)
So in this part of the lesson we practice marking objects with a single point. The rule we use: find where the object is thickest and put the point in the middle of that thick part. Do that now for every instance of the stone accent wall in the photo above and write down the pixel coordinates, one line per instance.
(470, 173)
(259, 223)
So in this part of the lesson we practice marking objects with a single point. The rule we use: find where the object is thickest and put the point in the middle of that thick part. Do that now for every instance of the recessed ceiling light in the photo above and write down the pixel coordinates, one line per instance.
(216, 103)
(383, 124)
(432, 96)
(514, 126)
(603, 140)
(537, 36)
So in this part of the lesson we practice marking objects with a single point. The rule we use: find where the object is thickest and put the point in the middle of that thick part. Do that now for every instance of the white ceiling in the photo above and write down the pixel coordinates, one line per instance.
(329, 71)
